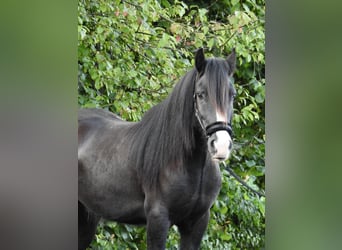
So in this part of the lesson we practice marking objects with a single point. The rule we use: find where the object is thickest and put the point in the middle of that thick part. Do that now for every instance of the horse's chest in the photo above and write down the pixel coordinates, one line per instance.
(196, 195)
(209, 188)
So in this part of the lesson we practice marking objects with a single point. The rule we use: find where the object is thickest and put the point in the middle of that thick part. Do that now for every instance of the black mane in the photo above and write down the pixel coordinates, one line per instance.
(165, 137)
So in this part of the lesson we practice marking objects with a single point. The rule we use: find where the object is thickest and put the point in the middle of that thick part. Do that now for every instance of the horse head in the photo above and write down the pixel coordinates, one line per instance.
(213, 102)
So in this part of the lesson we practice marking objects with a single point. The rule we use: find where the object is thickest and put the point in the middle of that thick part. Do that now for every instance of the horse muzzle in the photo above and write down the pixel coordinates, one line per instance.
(220, 145)
(219, 140)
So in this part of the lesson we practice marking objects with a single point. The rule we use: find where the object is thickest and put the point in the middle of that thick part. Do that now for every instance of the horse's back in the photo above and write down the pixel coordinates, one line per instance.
(97, 113)
(92, 120)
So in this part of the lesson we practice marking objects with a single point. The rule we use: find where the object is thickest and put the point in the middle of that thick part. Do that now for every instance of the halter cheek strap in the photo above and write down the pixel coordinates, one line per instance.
(197, 114)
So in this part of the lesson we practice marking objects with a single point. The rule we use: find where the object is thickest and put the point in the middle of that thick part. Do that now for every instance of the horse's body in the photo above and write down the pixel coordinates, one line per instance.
(157, 172)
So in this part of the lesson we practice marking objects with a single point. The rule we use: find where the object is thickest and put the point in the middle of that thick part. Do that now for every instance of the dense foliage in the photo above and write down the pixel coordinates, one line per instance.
(130, 55)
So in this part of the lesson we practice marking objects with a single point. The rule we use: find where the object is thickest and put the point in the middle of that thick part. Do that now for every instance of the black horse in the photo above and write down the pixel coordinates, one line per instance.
(163, 170)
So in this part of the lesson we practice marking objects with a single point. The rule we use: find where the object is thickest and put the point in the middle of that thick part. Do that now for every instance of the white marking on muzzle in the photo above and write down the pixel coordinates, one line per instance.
(222, 145)
(223, 141)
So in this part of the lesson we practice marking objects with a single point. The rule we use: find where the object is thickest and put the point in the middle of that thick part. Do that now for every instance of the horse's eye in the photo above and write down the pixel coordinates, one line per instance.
(201, 95)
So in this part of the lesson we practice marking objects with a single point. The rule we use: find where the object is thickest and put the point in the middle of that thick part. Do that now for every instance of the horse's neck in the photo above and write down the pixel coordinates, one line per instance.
(200, 152)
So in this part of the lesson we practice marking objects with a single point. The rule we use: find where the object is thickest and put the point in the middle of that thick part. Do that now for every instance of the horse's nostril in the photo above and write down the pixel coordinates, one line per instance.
(212, 144)
(230, 145)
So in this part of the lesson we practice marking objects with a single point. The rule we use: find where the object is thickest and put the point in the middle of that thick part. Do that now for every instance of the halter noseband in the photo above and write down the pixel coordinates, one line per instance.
(216, 126)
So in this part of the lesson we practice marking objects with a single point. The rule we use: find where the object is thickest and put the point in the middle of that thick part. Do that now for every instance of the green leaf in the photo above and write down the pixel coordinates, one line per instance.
(202, 14)
(211, 42)
(234, 2)
(259, 98)
(164, 41)
(225, 237)
(250, 163)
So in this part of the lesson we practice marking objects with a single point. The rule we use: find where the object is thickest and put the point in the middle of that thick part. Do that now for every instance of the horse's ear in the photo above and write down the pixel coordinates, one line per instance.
(200, 60)
(231, 59)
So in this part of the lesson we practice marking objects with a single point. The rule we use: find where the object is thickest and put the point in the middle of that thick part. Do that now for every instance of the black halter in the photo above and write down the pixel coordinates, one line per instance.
(216, 126)
(213, 127)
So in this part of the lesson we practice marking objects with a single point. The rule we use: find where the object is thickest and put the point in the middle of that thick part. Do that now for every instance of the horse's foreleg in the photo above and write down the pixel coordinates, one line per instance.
(157, 227)
(87, 223)
(192, 233)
